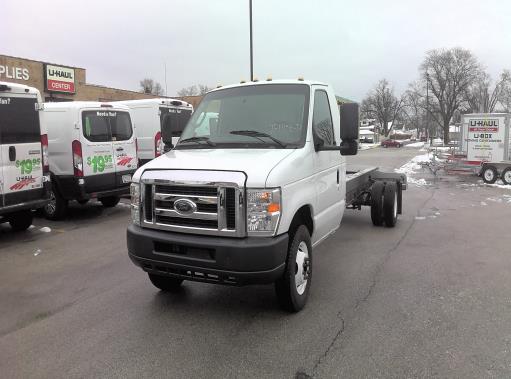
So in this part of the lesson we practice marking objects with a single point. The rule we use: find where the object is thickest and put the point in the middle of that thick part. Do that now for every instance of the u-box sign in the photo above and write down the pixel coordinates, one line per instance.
(59, 79)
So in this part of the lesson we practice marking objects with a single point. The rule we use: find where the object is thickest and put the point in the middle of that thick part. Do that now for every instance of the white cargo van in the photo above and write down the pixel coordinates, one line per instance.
(92, 153)
(24, 179)
(150, 117)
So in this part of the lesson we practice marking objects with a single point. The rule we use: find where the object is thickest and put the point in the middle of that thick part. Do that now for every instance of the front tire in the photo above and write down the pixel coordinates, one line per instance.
(21, 221)
(110, 201)
(165, 283)
(292, 288)
(57, 207)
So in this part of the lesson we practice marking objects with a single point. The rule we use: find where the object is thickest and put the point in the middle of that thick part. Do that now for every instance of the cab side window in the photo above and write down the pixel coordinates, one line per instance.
(322, 125)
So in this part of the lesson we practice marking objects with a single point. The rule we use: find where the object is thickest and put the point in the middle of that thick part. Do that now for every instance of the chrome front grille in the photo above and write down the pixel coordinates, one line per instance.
(217, 207)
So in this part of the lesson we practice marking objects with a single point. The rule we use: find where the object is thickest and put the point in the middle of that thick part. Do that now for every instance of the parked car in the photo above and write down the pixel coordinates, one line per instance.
(391, 143)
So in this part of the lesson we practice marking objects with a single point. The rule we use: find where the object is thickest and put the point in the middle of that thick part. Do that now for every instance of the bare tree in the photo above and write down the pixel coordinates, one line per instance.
(195, 90)
(151, 87)
(414, 107)
(449, 74)
(482, 99)
(382, 105)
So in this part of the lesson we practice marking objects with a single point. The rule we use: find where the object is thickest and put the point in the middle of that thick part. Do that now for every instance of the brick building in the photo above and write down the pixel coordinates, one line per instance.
(64, 83)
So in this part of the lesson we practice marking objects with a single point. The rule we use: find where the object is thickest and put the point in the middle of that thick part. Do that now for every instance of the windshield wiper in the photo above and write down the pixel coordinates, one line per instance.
(197, 139)
(257, 134)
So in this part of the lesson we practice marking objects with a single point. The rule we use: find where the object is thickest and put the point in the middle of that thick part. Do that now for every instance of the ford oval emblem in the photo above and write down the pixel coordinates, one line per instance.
(185, 206)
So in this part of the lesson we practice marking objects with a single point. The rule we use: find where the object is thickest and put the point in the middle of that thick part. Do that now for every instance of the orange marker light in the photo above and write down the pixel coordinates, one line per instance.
(273, 207)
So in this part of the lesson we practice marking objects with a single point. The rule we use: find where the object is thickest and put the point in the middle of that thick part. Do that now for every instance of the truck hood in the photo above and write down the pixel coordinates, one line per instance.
(256, 163)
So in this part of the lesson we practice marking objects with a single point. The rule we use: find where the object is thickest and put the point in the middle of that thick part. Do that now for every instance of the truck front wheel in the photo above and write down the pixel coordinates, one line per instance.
(293, 287)
(377, 203)
(165, 283)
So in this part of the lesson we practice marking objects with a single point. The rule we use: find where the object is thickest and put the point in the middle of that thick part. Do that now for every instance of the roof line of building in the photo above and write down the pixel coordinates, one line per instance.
(38, 61)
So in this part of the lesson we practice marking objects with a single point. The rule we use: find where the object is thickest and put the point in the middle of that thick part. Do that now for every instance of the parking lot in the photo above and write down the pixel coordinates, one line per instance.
(429, 297)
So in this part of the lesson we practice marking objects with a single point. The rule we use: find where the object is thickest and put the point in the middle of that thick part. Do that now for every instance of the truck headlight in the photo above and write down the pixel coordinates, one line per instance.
(263, 211)
(135, 203)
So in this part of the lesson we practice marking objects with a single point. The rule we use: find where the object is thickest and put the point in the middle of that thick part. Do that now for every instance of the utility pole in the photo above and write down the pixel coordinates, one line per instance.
(427, 108)
(166, 94)
(251, 45)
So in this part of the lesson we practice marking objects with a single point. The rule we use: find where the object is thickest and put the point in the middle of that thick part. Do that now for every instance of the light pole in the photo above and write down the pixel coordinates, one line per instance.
(251, 45)
(427, 108)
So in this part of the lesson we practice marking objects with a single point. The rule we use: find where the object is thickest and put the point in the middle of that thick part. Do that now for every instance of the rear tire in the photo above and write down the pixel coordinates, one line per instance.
(377, 203)
(390, 204)
(506, 176)
(292, 288)
(20, 221)
(110, 201)
(165, 283)
(56, 209)
(490, 174)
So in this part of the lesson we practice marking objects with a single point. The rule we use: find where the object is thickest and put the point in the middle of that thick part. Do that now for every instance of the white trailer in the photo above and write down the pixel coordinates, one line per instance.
(486, 141)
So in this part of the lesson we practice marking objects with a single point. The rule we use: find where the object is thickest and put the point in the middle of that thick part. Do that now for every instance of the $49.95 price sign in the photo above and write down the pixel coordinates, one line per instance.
(100, 162)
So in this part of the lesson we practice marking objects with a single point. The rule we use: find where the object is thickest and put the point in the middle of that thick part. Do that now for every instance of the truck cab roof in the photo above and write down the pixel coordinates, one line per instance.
(266, 82)
(18, 88)
(85, 105)
(159, 101)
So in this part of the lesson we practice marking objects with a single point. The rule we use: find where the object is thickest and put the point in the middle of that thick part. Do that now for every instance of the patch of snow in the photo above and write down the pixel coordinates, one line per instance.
(37, 252)
(483, 203)
(416, 144)
(420, 217)
(45, 229)
(31, 227)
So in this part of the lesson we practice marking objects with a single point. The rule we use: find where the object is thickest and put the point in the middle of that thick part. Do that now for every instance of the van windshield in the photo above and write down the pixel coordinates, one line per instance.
(105, 126)
(174, 120)
(259, 116)
(19, 120)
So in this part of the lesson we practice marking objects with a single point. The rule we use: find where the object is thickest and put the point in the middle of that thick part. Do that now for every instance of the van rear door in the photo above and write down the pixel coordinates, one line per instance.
(97, 152)
(174, 119)
(20, 149)
(124, 147)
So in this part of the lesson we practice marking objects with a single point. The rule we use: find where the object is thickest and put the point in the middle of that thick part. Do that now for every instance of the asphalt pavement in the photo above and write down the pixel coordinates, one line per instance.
(428, 298)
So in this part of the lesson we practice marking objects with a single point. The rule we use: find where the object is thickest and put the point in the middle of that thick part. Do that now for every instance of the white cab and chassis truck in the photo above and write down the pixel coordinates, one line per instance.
(245, 198)
(24, 177)
(150, 117)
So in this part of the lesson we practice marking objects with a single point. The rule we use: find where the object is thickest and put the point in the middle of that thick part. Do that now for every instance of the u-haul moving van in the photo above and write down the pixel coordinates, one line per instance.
(92, 153)
(486, 139)
(150, 117)
(24, 179)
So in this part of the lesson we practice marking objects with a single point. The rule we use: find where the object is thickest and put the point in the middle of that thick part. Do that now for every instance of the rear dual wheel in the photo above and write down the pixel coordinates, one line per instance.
(506, 176)
(384, 204)
(490, 174)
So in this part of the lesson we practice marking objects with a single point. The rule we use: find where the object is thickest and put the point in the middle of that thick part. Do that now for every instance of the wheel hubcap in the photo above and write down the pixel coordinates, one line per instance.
(302, 268)
(52, 205)
(507, 177)
(488, 175)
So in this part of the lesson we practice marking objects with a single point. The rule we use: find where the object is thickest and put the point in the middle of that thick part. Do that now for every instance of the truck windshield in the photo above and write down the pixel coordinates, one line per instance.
(257, 116)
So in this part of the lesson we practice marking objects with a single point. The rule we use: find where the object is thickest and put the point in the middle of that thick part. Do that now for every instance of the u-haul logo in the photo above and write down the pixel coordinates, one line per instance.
(491, 125)
(22, 184)
(60, 79)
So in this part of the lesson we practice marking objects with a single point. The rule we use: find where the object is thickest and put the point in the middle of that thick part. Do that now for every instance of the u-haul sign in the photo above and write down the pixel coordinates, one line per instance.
(59, 79)
(486, 137)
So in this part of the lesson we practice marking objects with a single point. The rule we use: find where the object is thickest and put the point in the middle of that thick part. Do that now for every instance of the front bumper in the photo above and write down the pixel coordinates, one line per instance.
(221, 260)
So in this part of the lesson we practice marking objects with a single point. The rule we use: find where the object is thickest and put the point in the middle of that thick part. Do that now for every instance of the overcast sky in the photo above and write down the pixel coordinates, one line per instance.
(350, 44)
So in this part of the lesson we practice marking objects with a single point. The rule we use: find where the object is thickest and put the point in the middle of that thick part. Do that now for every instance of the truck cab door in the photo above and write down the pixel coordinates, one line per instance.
(327, 167)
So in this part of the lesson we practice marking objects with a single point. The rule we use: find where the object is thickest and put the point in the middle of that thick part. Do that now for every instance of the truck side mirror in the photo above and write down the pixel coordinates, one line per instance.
(166, 132)
(349, 128)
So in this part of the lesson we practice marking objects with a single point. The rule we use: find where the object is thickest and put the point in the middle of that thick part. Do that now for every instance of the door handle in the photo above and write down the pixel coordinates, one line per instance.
(12, 153)
(119, 149)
